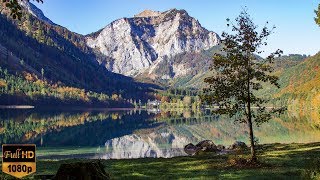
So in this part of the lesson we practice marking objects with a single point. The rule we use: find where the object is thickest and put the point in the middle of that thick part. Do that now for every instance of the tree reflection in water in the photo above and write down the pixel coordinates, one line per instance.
(137, 133)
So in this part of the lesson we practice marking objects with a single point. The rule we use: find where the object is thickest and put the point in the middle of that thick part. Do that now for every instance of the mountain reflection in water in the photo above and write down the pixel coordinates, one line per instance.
(138, 146)
(137, 134)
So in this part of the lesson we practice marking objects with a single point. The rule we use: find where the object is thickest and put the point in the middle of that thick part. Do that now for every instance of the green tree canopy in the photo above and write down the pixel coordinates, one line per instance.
(237, 73)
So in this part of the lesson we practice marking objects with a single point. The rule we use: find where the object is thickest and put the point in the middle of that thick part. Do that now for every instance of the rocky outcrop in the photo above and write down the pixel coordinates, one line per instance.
(141, 44)
(207, 146)
(36, 12)
(203, 146)
(221, 147)
(191, 149)
(238, 145)
(148, 13)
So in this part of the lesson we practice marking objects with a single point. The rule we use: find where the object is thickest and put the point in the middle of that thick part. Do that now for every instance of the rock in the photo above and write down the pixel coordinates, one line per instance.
(207, 146)
(36, 12)
(141, 44)
(191, 149)
(238, 162)
(203, 146)
(221, 147)
(82, 170)
(238, 145)
(148, 13)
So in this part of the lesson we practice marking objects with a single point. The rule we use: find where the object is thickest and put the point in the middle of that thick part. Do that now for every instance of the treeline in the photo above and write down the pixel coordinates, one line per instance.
(179, 98)
(16, 89)
(288, 61)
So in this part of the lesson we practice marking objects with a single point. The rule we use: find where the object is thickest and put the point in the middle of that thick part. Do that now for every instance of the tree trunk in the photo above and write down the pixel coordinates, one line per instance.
(253, 150)
(249, 118)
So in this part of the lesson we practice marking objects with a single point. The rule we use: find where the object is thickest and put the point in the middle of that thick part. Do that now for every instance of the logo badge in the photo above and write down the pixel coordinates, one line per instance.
(19, 160)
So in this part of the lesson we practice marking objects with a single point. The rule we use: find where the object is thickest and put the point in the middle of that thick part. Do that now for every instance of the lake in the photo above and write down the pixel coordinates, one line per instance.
(123, 134)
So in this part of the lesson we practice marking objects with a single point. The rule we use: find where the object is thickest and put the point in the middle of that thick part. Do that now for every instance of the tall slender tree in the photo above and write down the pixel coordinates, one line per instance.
(238, 73)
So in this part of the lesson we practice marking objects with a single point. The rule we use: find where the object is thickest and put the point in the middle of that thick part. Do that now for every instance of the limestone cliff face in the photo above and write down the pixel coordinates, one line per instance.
(140, 44)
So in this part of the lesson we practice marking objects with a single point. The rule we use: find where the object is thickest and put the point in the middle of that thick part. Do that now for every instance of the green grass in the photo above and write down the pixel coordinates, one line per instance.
(47, 152)
(279, 161)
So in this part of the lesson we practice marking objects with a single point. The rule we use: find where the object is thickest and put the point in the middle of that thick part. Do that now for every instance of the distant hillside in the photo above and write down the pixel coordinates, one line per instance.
(288, 61)
(28, 89)
(302, 78)
(301, 88)
(194, 67)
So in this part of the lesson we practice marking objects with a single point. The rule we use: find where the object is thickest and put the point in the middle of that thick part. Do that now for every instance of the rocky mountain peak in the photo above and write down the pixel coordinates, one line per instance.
(175, 11)
(36, 12)
(148, 13)
(141, 44)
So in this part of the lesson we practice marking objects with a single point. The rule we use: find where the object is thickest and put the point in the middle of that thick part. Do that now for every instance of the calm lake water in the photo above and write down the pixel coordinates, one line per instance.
(108, 134)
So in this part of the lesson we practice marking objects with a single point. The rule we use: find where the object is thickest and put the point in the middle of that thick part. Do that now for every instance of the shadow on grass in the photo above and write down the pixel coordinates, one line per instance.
(293, 161)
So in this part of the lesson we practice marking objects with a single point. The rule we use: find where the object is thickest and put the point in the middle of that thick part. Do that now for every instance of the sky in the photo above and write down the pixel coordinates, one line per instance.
(295, 33)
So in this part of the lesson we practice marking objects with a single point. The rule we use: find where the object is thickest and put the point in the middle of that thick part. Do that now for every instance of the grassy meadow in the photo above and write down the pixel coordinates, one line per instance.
(278, 161)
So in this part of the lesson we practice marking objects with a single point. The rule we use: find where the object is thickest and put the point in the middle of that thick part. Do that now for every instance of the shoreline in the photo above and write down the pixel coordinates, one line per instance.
(66, 107)
(16, 107)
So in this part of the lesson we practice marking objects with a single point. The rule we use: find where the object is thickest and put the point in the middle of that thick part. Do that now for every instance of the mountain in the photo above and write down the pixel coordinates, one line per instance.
(34, 49)
(184, 70)
(168, 48)
(153, 47)
(36, 12)
(288, 61)
(195, 67)
(301, 89)
(142, 44)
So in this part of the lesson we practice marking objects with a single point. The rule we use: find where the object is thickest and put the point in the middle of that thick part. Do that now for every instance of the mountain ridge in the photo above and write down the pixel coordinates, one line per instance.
(148, 13)
(183, 65)
(36, 50)
(32, 9)
(138, 44)
(140, 49)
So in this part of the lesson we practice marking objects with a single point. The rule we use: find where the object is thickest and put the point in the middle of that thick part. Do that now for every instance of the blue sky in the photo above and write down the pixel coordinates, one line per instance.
(296, 31)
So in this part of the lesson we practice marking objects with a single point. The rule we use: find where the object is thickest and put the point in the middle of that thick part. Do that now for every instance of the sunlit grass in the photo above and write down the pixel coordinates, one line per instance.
(279, 161)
